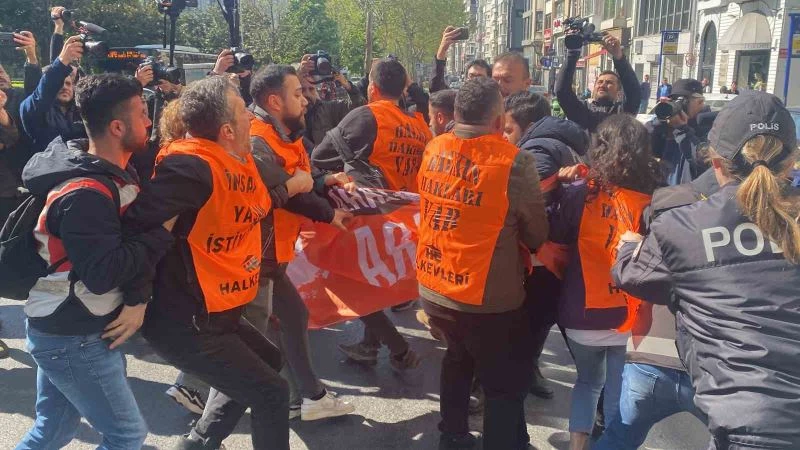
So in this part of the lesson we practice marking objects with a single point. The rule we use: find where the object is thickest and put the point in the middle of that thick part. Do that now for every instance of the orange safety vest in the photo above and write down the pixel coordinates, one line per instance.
(399, 143)
(225, 240)
(287, 224)
(607, 215)
(463, 186)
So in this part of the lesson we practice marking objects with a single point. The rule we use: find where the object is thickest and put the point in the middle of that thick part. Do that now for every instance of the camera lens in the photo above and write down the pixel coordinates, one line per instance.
(245, 60)
(323, 66)
(96, 48)
(573, 41)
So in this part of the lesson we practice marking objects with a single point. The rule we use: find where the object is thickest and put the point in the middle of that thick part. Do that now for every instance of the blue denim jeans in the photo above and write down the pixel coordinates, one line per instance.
(597, 367)
(649, 395)
(79, 376)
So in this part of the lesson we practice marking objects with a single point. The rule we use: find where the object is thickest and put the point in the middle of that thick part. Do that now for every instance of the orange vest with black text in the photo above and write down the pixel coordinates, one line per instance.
(463, 186)
(287, 224)
(225, 241)
(607, 215)
(398, 146)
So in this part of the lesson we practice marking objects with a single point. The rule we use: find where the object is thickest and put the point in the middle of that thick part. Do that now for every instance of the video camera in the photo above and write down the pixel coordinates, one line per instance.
(665, 110)
(322, 64)
(160, 72)
(241, 61)
(583, 33)
(93, 47)
(7, 39)
(66, 15)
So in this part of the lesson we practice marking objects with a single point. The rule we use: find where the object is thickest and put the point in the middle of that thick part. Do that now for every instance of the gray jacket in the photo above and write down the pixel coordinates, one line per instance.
(738, 315)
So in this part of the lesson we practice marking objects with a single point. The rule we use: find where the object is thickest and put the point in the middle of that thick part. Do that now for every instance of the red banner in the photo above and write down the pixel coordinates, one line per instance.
(342, 275)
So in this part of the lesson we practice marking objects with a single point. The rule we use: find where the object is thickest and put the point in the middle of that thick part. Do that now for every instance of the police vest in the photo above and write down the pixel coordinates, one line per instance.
(463, 186)
(225, 241)
(607, 215)
(398, 146)
(287, 224)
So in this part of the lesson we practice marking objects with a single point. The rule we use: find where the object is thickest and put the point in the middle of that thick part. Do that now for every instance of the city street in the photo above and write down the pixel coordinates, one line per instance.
(393, 412)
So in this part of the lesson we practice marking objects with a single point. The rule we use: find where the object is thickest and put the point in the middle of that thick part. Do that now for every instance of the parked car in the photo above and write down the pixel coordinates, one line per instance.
(718, 101)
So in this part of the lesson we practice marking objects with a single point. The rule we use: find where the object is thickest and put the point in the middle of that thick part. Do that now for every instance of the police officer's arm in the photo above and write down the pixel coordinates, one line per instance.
(642, 272)
(573, 108)
(630, 85)
(348, 147)
(527, 201)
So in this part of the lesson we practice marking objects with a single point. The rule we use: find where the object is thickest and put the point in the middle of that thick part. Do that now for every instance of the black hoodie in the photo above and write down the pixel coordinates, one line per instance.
(88, 224)
(555, 143)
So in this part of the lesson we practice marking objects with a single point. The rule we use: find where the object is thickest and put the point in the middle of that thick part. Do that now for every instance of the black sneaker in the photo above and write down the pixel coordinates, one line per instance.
(360, 352)
(186, 443)
(3, 350)
(187, 397)
(449, 441)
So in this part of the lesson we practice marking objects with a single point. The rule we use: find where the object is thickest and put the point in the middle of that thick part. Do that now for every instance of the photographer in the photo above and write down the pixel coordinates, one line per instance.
(675, 136)
(605, 101)
(225, 61)
(50, 110)
(324, 115)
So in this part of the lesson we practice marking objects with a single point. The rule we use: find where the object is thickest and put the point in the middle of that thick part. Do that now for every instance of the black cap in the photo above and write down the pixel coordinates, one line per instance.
(687, 87)
(748, 115)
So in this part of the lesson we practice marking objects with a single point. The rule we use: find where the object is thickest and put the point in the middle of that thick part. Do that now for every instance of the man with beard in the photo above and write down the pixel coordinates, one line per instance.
(276, 137)
(589, 113)
(50, 111)
(75, 312)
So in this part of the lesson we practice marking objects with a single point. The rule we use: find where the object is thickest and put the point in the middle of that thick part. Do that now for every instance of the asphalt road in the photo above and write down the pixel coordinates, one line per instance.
(393, 412)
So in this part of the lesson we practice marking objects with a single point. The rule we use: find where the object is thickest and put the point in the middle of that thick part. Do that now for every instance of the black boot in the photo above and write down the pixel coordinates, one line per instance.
(539, 386)
(450, 441)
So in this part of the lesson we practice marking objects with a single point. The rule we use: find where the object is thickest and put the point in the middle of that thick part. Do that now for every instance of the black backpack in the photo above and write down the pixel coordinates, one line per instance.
(20, 263)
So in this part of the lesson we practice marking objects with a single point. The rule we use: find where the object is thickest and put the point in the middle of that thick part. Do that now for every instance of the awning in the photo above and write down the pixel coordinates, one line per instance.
(749, 32)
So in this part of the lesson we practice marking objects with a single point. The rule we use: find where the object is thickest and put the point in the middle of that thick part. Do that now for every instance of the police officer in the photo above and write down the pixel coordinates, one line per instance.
(733, 262)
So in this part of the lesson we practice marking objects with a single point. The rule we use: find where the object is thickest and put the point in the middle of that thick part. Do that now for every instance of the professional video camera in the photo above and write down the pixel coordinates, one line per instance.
(93, 47)
(241, 61)
(582, 33)
(665, 110)
(160, 72)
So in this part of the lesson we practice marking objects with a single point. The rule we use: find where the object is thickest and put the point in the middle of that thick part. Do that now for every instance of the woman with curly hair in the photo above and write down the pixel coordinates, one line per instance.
(588, 221)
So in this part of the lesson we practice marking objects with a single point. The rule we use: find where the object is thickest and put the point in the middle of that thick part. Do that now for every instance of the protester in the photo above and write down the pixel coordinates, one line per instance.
(50, 111)
(521, 110)
(655, 384)
(324, 115)
(664, 89)
(478, 310)
(596, 318)
(205, 281)
(644, 92)
(440, 109)
(367, 146)
(512, 72)
(74, 312)
(276, 138)
(676, 140)
(606, 95)
(728, 260)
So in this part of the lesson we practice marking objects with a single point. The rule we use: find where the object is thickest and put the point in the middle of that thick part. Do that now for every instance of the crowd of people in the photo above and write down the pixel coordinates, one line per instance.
(668, 253)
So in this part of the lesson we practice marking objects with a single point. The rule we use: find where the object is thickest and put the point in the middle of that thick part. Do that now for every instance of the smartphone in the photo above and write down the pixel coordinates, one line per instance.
(7, 39)
(463, 34)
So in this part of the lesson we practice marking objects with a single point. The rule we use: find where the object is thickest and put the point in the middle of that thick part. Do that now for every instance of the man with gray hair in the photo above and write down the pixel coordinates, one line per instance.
(204, 283)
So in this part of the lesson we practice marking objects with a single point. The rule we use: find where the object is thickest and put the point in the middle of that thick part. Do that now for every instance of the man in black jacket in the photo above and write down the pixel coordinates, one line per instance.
(606, 93)
(74, 313)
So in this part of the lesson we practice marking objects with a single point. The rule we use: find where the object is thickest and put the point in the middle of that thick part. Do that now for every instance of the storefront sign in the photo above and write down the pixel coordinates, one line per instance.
(548, 36)
(558, 26)
(795, 32)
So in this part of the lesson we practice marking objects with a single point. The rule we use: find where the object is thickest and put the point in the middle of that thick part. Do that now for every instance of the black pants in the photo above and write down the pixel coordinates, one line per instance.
(495, 348)
(243, 369)
(542, 289)
(379, 329)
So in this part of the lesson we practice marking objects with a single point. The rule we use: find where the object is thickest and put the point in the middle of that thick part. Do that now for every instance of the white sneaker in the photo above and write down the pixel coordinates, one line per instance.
(294, 411)
(327, 406)
(187, 397)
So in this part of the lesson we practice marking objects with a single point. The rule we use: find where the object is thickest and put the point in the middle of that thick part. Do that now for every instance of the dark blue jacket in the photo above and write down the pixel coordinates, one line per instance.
(738, 314)
(555, 143)
(677, 150)
(42, 118)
